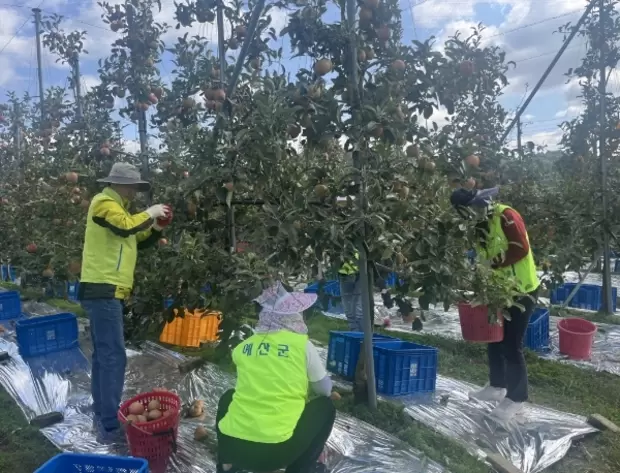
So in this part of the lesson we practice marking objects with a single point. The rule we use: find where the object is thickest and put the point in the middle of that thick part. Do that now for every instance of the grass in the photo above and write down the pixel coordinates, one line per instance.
(391, 418)
(597, 317)
(552, 384)
(23, 448)
(559, 386)
(67, 306)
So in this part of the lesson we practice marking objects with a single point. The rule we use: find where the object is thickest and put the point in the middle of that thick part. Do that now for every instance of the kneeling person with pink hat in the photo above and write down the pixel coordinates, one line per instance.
(267, 423)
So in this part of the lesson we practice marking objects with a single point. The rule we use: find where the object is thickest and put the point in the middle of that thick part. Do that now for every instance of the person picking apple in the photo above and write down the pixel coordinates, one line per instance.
(112, 240)
(504, 242)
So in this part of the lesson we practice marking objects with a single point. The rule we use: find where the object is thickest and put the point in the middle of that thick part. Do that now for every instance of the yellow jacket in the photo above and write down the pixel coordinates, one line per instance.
(113, 238)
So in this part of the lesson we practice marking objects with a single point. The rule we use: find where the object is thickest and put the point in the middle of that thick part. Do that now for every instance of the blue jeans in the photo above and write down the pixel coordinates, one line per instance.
(109, 358)
(351, 295)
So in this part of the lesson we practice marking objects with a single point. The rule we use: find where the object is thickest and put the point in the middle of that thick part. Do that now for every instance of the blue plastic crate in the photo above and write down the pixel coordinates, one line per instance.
(76, 463)
(537, 336)
(391, 280)
(405, 368)
(10, 305)
(344, 351)
(47, 334)
(589, 296)
(72, 290)
(331, 288)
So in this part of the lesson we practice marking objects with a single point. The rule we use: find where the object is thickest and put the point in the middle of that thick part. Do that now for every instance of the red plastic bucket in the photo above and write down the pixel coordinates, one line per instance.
(475, 325)
(576, 338)
(155, 441)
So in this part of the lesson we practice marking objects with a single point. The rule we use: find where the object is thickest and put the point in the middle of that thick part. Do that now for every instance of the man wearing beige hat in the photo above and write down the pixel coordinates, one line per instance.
(113, 238)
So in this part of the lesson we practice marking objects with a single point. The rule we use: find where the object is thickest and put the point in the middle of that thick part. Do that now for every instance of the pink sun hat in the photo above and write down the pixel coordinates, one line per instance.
(278, 300)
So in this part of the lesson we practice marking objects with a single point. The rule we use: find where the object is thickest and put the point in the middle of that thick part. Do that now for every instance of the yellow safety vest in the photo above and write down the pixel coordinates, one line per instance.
(271, 390)
(497, 244)
(349, 268)
(111, 247)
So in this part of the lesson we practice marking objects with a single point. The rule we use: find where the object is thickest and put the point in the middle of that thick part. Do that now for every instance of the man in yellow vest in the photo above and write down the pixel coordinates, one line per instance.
(267, 422)
(351, 293)
(503, 240)
(113, 238)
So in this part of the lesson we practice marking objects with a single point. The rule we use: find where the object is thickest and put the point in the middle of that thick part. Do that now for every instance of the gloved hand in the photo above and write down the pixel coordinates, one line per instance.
(417, 325)
(162, 223)
(157, 211)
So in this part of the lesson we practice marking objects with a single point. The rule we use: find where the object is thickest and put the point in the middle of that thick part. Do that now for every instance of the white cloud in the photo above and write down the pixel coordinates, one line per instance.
(570, 111)
(550, 139)
(90, 81)
(434, 13)
(525, 34)
(131, 146)
(100, 36)
(523, 28)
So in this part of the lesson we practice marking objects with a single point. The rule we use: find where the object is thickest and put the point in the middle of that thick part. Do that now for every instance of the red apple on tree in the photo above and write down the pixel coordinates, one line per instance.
(71, 177)
(399, 65)
(31, 248)
(466, 68)
(472, 160)
(384, 33)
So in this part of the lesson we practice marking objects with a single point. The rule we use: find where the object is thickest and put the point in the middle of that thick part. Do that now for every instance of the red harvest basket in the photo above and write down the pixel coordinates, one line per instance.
(155, 441)
(475, 325)
(576, 338)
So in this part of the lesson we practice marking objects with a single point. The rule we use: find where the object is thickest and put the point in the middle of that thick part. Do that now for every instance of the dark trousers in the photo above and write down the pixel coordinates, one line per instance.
(299, 454)
(507, 368)
(109, 358)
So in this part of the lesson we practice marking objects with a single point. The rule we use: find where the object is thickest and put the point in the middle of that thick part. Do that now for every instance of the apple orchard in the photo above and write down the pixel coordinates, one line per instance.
(279, 162)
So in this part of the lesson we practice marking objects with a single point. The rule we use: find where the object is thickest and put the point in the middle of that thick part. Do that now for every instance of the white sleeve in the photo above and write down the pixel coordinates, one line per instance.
(314, 364)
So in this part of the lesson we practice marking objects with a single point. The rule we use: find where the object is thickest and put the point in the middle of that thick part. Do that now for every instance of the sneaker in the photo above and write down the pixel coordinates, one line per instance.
(488, 394)
(115, 436)
(507, 410)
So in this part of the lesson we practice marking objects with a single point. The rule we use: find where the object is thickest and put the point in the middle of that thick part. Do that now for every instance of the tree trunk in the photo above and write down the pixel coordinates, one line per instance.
(360, 384)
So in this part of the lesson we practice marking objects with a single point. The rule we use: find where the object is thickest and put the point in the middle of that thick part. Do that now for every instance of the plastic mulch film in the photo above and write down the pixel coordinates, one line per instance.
(605, 350)
(531, 442)
(60, 382)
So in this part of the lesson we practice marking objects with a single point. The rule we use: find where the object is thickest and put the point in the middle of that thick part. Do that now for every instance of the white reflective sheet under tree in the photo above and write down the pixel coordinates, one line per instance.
(60, 382)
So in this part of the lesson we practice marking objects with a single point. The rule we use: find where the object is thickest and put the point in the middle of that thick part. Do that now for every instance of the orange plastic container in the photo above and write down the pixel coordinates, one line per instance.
(192, 329)
(209, 326)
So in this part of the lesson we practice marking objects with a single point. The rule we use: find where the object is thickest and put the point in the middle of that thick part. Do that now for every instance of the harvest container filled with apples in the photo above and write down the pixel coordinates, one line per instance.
(151, 423)
(140, 413)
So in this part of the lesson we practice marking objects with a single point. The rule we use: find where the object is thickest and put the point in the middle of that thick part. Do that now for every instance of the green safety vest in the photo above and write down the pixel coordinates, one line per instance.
(349, 268)
(524, 270)
(271, 390)
(111, 245)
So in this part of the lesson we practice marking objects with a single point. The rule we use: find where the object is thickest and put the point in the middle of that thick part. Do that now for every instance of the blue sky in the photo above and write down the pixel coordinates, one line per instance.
(524, 28)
